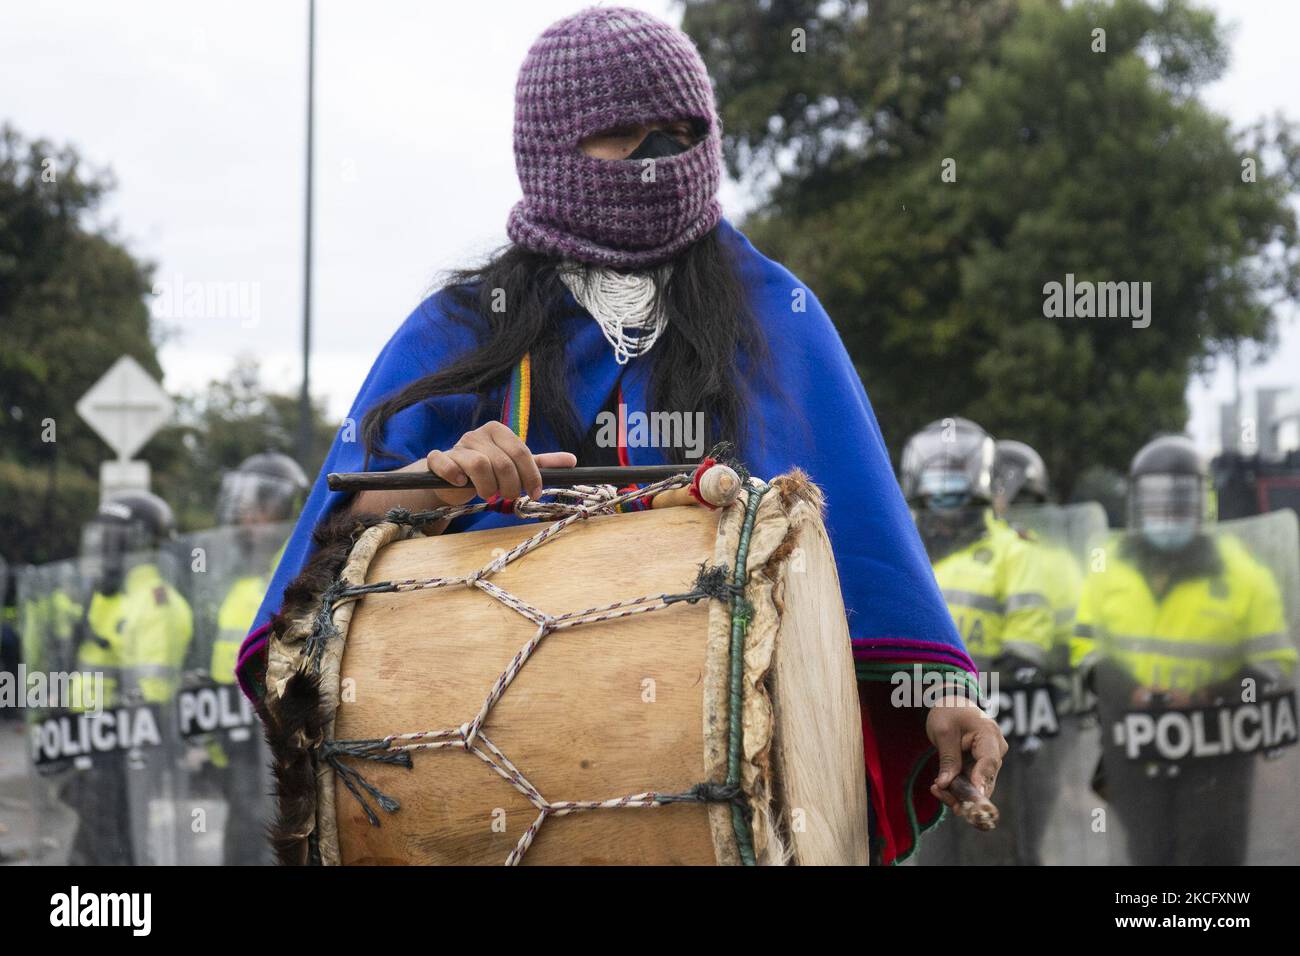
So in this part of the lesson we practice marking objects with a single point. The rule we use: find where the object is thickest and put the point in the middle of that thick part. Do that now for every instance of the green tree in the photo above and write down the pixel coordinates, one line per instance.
(820, 92)
(72, 300)
(233, 418)
(1067, 159)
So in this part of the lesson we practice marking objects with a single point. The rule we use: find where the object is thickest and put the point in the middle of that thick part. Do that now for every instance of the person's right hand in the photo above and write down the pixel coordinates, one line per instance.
(491, 460)
(966, 739)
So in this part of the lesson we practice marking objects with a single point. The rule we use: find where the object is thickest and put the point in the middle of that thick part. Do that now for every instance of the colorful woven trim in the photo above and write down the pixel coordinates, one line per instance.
(884, 658)
(905, 650)
(938, 674)
(515, 409)
(518, 400)
(250, 669)
(919, 827)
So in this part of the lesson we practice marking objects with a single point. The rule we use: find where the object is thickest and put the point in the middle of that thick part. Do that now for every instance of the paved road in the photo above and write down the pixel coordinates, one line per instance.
(20, 841)
(15, 795)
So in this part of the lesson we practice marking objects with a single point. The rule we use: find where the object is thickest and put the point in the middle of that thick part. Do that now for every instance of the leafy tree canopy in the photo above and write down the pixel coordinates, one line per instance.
(1060, 158)
(73, 299)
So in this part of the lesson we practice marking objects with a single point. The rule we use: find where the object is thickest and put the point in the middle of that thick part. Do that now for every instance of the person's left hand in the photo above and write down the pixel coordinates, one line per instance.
(967, 739)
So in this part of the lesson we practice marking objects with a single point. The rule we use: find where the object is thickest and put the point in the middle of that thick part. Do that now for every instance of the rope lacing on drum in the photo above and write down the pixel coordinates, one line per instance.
(569, 505)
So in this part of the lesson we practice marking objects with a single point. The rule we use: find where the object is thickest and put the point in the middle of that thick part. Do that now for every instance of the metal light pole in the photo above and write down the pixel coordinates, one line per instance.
(304, 402)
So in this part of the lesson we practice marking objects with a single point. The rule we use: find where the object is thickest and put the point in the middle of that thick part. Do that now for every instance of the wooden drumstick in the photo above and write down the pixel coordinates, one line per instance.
(719, 486)
(973, 807)
(551, 477)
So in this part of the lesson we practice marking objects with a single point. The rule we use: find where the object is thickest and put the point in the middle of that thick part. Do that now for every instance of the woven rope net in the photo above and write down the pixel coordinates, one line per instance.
(566, 508)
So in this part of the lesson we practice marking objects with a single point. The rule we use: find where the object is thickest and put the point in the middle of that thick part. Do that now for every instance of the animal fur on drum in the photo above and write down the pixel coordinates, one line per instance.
(793, 487)
(294, 728)
(294, 723)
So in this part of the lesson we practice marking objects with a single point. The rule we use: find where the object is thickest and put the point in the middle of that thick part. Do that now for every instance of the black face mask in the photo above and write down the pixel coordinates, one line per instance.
(657, 145)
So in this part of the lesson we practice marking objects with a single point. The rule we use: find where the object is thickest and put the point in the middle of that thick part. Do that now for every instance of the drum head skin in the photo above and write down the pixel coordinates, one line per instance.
(607, 710)
(599, 711)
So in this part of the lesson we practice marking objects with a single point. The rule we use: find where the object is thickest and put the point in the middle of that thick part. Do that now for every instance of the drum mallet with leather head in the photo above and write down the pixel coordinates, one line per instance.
(713, 484)
(973, 807)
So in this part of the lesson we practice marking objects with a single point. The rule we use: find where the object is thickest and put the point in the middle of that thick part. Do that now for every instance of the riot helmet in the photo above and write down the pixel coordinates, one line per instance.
(1019, 475)
(947, 465)
(127, 522)
(947, 478)
(266, 487)
(1167, 485)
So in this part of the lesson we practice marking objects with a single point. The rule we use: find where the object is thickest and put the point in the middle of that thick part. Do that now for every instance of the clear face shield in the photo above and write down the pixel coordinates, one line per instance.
(1009, 485)
(947, 512)
(944, 490)
(936, 457)
(1167, 510)
(248, 498)
(106, 550)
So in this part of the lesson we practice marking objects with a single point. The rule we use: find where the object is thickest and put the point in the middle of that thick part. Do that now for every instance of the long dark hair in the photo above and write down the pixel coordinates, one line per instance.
(701, 363)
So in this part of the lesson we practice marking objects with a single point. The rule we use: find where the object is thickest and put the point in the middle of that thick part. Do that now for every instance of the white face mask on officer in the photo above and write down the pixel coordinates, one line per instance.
(1167, 510)
(1169, 534)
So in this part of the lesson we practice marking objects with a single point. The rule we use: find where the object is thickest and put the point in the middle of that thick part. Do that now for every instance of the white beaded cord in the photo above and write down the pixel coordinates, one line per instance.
(622, 303)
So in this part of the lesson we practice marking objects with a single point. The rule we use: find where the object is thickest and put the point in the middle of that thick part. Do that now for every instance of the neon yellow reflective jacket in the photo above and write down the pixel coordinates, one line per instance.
(995, 593)
(143, 633)
(1062, 581)
(235, 619)
(1204, 630)
(47, 623)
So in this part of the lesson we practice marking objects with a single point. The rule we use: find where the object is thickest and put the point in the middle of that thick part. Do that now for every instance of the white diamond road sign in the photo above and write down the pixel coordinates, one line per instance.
(125, 407)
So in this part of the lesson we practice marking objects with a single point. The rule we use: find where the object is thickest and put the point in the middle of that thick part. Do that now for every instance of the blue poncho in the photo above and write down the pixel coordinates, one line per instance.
(821, 421)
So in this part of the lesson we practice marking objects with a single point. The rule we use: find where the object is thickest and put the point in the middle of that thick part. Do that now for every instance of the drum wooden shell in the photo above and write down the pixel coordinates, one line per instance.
(608, 709)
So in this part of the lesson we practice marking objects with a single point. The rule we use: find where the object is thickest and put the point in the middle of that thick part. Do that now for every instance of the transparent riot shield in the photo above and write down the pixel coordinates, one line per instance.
(1054, 799)
(51, 604)
(159, 627)
(15, 797)
(1191, 652)
(224, 782)
(1029, 587)
(102, 763)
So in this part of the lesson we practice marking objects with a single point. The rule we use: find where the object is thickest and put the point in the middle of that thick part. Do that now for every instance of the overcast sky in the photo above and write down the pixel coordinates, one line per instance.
(199, 110)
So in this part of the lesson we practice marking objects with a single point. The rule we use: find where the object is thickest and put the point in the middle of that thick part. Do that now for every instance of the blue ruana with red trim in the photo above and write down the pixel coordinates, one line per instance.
(815, 415)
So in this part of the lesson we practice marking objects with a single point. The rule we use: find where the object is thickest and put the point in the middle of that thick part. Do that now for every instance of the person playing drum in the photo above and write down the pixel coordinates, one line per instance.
(628, 323)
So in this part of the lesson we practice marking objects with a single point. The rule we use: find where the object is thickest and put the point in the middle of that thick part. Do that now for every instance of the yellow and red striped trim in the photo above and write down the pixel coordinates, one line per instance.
(517, 404)
(518, 400)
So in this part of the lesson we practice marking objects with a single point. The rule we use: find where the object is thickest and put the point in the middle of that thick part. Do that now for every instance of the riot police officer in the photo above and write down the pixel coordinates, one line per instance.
(1058, 538)
(136, 628)
(1020, 480)
(1178, 618)
(254, 501)
(265, 489)
(988, 578)
(133, 635)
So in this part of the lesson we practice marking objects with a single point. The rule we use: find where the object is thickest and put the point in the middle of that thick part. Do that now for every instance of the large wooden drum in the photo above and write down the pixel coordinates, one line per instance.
(617, 694)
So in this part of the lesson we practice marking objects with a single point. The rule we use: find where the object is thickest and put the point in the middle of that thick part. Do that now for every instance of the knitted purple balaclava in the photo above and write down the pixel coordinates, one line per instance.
(600, 69)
